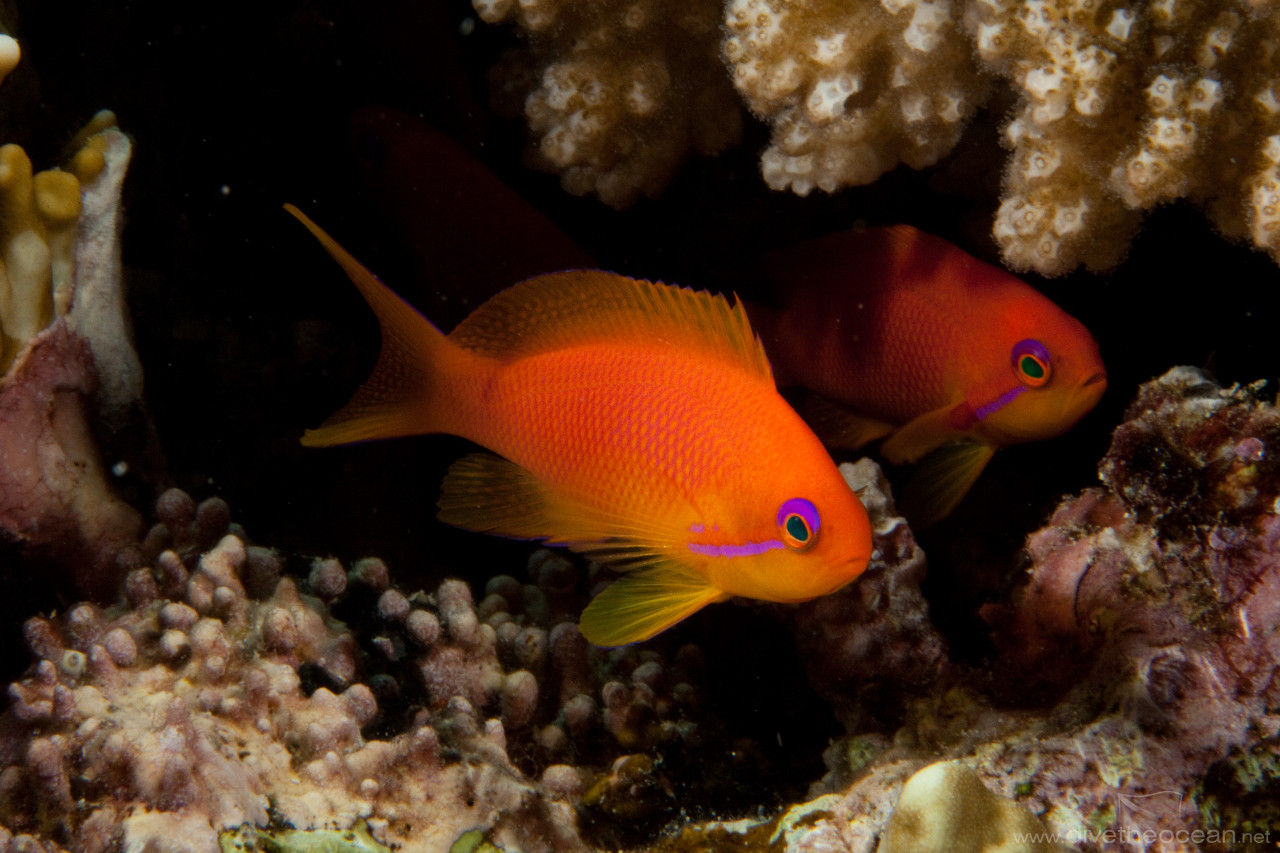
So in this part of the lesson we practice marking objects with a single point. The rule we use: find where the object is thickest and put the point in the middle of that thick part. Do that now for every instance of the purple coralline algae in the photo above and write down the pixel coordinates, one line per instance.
(1132, 703)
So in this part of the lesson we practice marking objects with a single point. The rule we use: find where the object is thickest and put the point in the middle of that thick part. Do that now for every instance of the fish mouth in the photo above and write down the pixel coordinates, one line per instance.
(1099, 377)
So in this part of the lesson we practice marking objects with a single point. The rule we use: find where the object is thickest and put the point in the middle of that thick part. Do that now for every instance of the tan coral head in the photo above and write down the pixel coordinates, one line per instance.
(10, 55)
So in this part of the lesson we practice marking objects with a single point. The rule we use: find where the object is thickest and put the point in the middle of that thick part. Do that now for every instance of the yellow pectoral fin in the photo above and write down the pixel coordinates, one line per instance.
(840, 427)
(942, 478)
(645, 602)
(489, 494)
(917, 437)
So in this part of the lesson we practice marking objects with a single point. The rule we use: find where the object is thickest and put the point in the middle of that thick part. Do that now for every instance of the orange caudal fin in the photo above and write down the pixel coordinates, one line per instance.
(400, 397)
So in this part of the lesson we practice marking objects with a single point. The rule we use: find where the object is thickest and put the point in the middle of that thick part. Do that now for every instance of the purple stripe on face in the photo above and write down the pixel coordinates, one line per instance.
(747, 549)
(999, 402)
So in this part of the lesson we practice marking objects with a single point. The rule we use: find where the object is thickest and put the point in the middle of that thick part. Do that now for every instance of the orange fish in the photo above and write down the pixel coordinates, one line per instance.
(912, 340)
(635, 422)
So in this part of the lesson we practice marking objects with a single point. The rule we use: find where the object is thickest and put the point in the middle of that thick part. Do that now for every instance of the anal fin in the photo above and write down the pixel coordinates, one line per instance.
(643, 603)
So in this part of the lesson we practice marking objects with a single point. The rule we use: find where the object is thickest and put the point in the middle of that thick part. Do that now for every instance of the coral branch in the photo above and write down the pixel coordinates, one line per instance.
(851, 89)
(622, 91)
(1122, 107)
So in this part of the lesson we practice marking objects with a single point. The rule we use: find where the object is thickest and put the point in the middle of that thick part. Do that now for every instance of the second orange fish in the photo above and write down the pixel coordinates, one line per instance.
(907, 338)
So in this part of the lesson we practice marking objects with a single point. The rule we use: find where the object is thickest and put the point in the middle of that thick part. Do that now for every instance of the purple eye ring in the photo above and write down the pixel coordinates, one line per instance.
(798, 523)
(1031, 363)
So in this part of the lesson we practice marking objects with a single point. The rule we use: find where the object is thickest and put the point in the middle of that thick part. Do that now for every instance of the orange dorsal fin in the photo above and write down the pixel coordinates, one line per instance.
(398, 397)
(566, 309)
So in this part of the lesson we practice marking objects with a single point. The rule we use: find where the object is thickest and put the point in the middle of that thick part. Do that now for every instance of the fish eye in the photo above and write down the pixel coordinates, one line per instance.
(798, 523)
(1031, 363)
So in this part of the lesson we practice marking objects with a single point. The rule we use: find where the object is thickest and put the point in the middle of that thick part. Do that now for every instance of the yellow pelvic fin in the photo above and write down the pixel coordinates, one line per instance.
(567, 309)
(942, 479)
(914, 439)
(397, 398)
(839, 426)
(638, 605)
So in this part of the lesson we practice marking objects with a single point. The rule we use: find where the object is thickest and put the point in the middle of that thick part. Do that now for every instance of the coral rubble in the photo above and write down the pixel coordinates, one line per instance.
(1135, 692)
(623, 91)
(68, 357)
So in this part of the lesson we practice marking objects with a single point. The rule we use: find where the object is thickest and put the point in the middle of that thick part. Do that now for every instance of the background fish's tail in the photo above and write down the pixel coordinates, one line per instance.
(399, 398)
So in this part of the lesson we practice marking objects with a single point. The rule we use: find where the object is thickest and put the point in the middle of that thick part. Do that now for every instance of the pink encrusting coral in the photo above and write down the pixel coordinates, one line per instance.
(871, 645)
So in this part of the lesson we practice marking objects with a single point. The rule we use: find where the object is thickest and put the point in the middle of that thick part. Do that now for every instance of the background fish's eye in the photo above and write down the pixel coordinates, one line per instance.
(798, 523)
(1031, 363)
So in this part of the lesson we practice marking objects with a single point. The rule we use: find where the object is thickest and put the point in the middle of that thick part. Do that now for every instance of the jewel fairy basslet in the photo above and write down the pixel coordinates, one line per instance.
(633, 421)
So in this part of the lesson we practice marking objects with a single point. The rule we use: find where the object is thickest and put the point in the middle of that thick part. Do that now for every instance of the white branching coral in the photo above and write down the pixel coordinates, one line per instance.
(1127, 107)
(621, 92)
(1123, 105)
(851, 89)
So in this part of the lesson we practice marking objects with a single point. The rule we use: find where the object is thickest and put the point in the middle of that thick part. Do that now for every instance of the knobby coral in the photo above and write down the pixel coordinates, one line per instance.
(159, 725)
(622, 91)
(221, 692)
(1122, 106)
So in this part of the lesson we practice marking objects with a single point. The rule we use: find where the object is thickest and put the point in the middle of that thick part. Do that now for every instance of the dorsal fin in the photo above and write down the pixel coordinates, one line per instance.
(565, 309)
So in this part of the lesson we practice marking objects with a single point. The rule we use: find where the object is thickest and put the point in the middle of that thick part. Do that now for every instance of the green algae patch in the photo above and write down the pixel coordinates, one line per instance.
(474, 842)
(248, 838)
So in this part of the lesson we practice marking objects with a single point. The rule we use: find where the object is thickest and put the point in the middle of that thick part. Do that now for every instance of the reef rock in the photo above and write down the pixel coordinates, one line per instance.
(1133, 701)
(68, 359)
